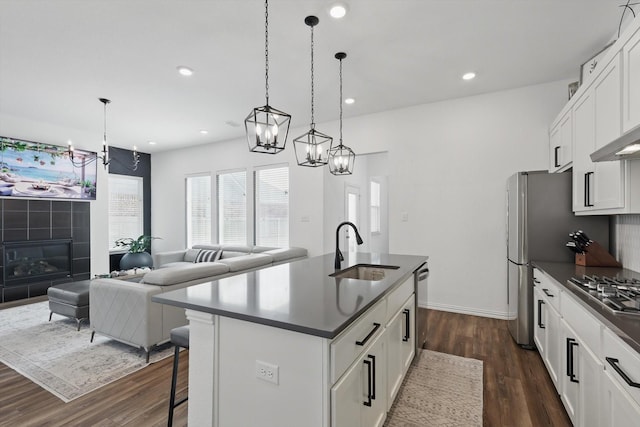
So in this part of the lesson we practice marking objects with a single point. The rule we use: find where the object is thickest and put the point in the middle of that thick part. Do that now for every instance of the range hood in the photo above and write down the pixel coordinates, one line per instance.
(627, 147)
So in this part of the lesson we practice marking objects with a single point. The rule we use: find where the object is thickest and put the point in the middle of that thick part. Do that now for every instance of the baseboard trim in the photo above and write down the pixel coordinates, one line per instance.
(466, 310)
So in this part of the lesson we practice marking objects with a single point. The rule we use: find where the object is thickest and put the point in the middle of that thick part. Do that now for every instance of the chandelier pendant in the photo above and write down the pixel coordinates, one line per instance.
(312, 147)
(266, 127)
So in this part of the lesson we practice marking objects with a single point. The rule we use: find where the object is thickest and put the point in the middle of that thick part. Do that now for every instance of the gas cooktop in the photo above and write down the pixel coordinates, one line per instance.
(619, 294)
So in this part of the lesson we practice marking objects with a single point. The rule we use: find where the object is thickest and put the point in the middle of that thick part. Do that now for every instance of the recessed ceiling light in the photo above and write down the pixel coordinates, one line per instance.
(469, 76)
(152, 143)
(185, 71)
(349, 101)
(204, 131)
(338, 10)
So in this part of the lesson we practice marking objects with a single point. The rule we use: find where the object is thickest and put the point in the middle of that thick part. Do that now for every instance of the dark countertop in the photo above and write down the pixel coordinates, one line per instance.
(298, 296)
(626, 326)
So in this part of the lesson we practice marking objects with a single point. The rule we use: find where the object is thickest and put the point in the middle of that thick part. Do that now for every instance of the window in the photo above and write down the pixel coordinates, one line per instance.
(272, 207)
(125, 208)
(198, 210)
(232, 208)
(375, 207)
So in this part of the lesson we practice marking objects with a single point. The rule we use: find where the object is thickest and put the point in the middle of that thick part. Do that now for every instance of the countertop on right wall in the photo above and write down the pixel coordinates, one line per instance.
(626, 326)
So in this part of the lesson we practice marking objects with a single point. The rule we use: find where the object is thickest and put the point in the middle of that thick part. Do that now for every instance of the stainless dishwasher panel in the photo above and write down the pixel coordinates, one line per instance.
(420, 280)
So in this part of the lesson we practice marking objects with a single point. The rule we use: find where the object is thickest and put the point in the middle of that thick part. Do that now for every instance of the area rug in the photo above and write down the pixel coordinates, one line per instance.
(61, 359)
(439, 390)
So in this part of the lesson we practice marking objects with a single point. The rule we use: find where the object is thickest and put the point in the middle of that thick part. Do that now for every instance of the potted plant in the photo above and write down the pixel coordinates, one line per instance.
(137, 255)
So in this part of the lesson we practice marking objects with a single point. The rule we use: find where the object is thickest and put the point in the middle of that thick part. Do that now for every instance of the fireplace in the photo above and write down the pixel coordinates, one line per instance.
(33, 261)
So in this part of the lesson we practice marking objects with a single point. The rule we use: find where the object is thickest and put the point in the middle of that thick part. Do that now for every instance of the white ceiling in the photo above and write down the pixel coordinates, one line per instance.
(57, 57)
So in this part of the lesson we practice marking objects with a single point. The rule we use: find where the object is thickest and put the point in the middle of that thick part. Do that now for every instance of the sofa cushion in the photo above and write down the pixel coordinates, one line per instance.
(246, 262)
(177, 264)
(232, 254)
(172, 275)
(283, 254)
(191, 254)
(208, 247)
(237, 248)
(208, 256)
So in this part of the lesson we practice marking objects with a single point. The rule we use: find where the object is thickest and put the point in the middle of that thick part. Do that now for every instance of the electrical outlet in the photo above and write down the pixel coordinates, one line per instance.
(267, 371)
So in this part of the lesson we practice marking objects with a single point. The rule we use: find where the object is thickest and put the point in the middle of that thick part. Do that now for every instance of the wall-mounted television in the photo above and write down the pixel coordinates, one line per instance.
(36, 170)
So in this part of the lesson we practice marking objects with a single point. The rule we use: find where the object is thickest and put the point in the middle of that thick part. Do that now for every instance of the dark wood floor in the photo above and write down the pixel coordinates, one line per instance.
(517, 390)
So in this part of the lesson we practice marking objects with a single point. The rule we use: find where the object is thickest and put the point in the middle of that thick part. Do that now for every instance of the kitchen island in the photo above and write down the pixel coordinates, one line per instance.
(289, 345)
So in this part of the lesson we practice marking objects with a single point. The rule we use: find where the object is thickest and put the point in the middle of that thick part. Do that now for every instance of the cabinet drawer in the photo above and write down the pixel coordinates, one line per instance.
(585, 325)
(397, 298)
(618, 353)
(548, 288)
(344, 349)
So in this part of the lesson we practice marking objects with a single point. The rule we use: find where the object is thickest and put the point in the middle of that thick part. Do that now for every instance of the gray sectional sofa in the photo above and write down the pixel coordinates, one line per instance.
(123, 310)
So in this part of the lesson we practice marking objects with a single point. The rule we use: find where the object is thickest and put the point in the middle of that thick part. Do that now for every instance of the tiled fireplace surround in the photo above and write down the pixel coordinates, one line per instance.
(38, 220)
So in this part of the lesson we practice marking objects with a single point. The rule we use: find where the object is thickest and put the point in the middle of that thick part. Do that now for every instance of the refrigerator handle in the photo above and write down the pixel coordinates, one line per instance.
(556, 163)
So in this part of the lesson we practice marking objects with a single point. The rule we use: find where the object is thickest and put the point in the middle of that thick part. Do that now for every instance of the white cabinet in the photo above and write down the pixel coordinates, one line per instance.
(618, 408)
(596, 122)
(359, 397)
(561, 143)
(370, 359)
(400, 348)
(580, 390)
(631, 83)
(547, 334)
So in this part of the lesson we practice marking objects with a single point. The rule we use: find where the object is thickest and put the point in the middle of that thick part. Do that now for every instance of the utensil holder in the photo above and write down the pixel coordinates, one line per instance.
(596, 256)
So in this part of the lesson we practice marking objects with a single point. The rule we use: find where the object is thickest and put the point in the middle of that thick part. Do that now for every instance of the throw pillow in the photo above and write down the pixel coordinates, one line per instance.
(208, 256)
(191, 255)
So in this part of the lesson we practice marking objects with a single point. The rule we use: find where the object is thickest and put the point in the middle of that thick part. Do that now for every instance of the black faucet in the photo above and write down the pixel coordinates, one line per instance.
(339, 256)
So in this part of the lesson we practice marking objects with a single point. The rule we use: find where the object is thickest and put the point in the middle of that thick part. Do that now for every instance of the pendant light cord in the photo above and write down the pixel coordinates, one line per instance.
(104, 138)
(340, 101)
(313, 121)
(266, 50)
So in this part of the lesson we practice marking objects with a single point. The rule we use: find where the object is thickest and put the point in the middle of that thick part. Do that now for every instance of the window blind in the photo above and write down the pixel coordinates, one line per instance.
(125, 208)
(272, 207)
(232, 208)
(198, 210)
(375, 207)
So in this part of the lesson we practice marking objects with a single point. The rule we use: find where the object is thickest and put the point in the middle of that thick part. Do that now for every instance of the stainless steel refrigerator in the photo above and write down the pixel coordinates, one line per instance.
(539, 220)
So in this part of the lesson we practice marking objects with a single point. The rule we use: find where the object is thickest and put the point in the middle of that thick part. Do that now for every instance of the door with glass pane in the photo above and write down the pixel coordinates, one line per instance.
(352, 213)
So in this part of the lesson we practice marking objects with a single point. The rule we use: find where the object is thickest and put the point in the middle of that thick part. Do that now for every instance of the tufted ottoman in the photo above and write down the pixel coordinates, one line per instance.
(70, 299)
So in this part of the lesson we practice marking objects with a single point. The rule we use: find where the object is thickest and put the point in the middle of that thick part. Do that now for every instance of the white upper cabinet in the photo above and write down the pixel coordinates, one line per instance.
(561, 144)
(631, 82)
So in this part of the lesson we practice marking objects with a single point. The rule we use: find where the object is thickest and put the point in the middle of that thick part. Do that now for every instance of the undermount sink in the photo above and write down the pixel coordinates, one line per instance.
(371, 272)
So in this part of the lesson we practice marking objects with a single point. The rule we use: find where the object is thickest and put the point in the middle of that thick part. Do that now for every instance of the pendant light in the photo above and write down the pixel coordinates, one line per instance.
(266, 127)
(341, 157)
(312, 148)
(84, 161)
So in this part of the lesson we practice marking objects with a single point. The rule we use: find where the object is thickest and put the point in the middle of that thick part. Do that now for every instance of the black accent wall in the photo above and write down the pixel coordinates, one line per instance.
(27, 220)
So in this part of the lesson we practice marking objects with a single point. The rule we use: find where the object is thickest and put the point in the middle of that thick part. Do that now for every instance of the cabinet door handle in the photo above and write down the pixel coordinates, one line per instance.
(369, 335)
(535, 280)
(571, 342)
(556, 163)
(368, 401)
(407, 324)
(547, 293)
(422, 274)
(373, 379)
(614, 364)
(587, 189)
(540, 324)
